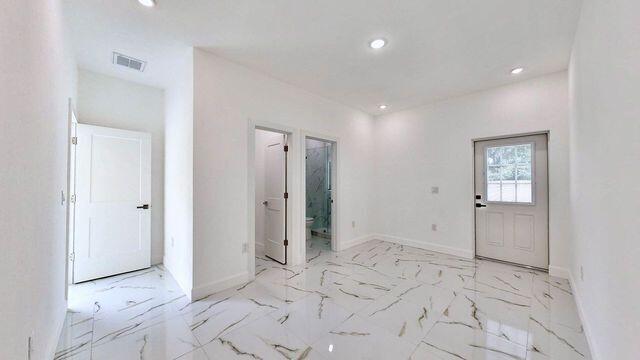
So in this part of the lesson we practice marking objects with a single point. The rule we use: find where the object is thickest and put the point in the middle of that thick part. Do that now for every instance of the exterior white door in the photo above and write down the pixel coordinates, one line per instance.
(512, 203)
(113, 192)
(275, 174)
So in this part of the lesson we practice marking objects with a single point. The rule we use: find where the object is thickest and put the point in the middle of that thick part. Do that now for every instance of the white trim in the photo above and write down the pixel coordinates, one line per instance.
(217, 286)
(464, 253)
(582, 314)
(353, 242)
(559, 271)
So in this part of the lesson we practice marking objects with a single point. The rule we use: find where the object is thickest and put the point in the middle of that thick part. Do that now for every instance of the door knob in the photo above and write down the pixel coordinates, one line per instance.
(478, 205)
(265, 203)
(145, 207)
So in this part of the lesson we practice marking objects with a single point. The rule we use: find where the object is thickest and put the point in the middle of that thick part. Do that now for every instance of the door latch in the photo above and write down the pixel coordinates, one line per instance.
(145, 207)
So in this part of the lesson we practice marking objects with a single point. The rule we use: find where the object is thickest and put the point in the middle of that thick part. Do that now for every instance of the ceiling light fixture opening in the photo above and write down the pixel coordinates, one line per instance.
(378, 43)
(147, 3)
(382, 107)
(517, 71)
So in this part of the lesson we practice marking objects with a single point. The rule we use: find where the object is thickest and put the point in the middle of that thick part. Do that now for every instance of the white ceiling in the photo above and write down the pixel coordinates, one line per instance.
(436, 49)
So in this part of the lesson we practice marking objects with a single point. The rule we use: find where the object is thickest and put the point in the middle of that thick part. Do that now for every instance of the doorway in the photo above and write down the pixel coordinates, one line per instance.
(320, 194)
(511, 201)
(111, 228)
(271, 195)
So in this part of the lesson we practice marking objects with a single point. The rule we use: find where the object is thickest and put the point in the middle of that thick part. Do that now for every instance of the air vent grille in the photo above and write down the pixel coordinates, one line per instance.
(128, 61)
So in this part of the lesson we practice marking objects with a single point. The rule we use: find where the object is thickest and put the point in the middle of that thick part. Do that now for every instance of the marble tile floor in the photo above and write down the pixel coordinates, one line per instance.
(317, 246)
(377, 300)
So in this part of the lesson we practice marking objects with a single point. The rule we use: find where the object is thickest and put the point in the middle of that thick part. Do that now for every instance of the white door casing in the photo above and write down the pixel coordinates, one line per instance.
(275, 173)
(511, 181)
(113, 179)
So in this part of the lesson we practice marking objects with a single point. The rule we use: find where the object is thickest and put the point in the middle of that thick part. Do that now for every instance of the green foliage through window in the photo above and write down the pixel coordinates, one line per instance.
(509, 177)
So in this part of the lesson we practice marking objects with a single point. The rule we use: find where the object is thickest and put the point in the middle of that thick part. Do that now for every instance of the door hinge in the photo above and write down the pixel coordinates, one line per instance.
(73, 199)
(74, 140)
(72, 257)
(286, 195)
(286, 148)
(286, 242)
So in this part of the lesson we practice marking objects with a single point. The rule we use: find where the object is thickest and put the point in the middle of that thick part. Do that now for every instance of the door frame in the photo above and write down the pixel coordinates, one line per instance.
(293, 181)
(547, 133)
(335, 181)
(72, 122)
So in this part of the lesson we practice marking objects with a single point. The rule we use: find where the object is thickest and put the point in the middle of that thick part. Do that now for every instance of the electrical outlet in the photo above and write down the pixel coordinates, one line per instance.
(581, 273)
(434, 227)
(353, 224)
(245, 248)
(435, 189)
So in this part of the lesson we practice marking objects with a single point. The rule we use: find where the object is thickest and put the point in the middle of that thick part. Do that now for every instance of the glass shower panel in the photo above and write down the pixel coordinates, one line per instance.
(319, 185)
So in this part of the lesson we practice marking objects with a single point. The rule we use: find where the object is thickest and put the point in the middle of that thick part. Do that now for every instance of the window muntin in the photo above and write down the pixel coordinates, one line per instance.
(509, 173)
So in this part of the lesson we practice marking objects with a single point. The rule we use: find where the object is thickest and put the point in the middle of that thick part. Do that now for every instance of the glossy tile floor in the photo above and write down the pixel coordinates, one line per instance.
(317, 246)
(374, 301)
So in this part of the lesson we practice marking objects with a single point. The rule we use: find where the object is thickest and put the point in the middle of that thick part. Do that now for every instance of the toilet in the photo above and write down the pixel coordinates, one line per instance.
(309, 222)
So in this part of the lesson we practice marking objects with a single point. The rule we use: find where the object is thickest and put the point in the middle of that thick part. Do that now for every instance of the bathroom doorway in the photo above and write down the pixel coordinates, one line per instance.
(271, 196)
(320, 194)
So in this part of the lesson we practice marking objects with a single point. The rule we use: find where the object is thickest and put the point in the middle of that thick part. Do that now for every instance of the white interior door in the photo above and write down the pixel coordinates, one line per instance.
(113, 185)
(275, 174)
(71, 211)
(512, 200)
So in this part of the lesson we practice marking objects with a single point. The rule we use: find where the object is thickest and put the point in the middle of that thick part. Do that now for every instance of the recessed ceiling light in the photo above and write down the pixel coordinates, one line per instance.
(382, 107)
(517, 71)
(378, 43)
(148, 3)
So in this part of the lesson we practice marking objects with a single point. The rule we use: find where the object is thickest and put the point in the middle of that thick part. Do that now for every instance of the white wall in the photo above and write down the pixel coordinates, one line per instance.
(178, 193)
(605, 172)
(226, 97)
(263, 138)
(35, 84)
(432, 146)
(107, 101)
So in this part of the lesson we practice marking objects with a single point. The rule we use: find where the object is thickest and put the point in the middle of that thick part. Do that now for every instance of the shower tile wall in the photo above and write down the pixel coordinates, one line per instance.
(318, 195)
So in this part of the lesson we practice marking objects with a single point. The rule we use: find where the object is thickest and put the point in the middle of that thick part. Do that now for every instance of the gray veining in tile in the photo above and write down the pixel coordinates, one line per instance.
(377, 300)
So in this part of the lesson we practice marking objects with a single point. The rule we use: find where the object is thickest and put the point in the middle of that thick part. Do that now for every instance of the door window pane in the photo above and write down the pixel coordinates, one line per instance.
(509, 173)
(508, 191)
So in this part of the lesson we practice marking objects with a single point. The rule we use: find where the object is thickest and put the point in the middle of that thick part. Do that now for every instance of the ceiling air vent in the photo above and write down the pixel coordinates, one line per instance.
(128, 61)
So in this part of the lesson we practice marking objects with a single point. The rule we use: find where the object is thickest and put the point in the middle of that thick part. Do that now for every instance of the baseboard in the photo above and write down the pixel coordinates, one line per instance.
(559, 271)
(216, 286)
(467, 254)
(585, 324)
(353, 242)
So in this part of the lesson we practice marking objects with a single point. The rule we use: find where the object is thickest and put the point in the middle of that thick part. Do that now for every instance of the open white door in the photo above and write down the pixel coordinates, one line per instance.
(71, 210)
(275, 188)
(113, 192)
(512, 200)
